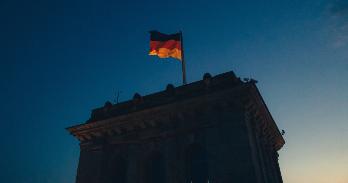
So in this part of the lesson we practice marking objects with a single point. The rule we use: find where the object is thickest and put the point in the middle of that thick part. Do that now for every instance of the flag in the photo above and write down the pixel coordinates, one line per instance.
(165, 45)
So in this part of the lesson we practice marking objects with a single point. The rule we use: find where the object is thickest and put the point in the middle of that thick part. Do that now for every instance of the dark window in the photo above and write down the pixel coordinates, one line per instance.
(197, 165)
(155, 169)
(119, 170)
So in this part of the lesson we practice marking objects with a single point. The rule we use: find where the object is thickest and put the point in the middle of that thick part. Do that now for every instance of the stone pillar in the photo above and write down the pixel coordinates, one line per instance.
(133, 159)
(90, 166)
(255, 153)
(261, 154)
(235, 162)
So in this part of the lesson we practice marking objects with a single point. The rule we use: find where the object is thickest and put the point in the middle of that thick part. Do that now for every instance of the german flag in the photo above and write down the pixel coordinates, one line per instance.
(165, 45)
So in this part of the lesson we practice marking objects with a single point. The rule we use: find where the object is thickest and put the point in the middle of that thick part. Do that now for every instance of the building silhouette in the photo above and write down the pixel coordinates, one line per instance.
(216, 130)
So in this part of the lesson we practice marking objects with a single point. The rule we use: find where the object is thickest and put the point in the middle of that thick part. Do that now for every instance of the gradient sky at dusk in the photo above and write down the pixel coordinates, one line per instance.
(60, 59)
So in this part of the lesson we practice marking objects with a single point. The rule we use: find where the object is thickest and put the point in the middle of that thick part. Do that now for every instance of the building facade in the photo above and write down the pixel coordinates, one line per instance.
(215, 130)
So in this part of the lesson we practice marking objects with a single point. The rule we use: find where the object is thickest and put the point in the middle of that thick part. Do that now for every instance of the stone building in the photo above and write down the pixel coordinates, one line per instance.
(216, 130)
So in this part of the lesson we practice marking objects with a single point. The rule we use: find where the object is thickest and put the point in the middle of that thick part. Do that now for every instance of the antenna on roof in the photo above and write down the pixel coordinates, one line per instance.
(117, 95)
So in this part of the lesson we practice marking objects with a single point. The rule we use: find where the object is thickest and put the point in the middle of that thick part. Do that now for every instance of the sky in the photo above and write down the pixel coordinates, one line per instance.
(60, 59)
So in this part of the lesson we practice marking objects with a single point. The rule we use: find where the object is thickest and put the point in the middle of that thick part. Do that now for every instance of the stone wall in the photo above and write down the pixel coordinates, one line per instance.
(218, 129)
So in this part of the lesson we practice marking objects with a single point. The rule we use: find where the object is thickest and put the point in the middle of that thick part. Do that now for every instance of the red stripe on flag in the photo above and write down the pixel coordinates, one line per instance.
(171, 44)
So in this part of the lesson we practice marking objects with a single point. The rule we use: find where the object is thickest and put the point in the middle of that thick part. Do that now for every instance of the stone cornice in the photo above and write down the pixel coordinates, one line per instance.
(151, 117)
(258, 110)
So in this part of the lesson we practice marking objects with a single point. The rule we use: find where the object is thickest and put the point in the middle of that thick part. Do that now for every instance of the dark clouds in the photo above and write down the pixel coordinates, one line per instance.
(339, 8)
(338, 11)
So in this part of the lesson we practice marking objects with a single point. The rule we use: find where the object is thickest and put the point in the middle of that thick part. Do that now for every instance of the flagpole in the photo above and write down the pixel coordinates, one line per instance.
(183, 66)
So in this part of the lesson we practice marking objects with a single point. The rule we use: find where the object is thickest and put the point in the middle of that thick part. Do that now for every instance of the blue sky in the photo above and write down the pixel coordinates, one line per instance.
(60, 59)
